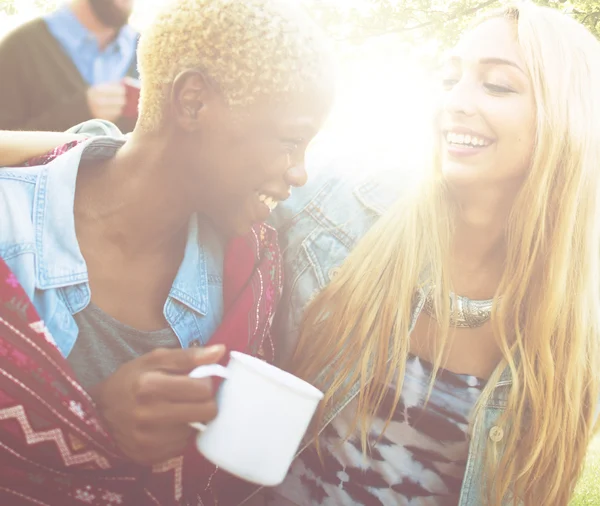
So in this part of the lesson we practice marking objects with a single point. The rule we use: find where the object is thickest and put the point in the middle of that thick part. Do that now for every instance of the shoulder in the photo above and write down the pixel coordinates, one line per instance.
(17, 195)
(26, 194)
(97, 128)
(24, 34)
(17, 235)
(318, 228)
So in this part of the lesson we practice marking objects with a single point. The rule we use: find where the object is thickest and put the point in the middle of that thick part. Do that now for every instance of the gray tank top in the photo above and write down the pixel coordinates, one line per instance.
(104, 344)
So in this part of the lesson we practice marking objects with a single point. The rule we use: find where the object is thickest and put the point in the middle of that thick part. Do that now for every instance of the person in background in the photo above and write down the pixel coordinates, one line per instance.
(69, 67)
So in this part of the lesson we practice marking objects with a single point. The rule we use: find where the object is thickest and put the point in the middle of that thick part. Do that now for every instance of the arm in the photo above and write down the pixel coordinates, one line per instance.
(18, 147)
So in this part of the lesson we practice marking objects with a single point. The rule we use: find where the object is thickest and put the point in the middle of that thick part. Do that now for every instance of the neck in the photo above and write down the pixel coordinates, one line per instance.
(134, 201)
(86, 16)
(478, 244)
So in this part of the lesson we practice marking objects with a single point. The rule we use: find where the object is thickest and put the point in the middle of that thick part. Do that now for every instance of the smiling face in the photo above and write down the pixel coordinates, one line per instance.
(487, 124)
(235, 165)
(257, 161)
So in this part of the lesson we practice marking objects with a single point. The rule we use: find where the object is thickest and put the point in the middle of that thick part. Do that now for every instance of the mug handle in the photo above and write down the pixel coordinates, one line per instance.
(207, 371)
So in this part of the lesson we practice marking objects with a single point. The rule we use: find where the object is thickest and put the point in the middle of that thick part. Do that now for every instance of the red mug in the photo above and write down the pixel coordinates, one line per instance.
(132, 97)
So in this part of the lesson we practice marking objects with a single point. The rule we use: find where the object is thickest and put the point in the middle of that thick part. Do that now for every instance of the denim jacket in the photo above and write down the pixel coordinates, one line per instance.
(38, 242)
(318, 228)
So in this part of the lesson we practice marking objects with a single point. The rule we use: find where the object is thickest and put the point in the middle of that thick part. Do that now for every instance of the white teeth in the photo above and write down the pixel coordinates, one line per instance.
(466, 140)
(270, 202)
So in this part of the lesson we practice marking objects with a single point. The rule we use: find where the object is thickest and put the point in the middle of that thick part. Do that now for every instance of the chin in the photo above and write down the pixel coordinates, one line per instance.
(234, 227)
(459, 174)
(240, 230)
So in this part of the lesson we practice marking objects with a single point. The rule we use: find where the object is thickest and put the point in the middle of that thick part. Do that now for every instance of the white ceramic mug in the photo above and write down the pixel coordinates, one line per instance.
(264, 413)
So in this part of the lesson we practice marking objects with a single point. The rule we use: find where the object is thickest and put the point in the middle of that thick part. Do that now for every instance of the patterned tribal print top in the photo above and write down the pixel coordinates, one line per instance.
(419, 461)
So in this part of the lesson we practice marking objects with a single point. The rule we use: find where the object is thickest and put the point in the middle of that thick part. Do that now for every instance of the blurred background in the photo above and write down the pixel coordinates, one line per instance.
(388, 52)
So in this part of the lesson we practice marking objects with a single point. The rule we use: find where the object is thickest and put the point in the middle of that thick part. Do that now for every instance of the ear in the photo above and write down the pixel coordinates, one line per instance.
(192, 94)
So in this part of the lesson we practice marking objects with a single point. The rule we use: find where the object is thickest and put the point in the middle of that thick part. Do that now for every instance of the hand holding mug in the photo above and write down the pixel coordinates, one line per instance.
(263, 414)
(148, 403)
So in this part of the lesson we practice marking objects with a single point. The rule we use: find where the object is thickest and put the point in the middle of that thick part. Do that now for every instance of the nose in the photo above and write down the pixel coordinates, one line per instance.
(296, 175)
(460, 99)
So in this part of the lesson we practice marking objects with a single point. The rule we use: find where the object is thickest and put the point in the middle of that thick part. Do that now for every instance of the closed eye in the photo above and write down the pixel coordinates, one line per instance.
(448, 83)
(495, 88)
(292, 144)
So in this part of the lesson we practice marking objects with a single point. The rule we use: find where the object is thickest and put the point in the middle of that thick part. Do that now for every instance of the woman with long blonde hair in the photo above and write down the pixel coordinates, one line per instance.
(456, 333)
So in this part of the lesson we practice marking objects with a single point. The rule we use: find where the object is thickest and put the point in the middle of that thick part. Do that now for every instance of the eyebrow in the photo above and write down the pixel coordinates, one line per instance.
(491, 61)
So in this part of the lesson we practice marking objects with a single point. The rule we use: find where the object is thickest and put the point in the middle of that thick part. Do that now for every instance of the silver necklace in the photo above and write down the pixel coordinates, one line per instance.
(468, 314)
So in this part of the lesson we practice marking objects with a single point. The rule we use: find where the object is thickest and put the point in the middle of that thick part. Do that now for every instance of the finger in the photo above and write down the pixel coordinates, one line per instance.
(183, 360)
(164, 415)
(111, 101)
(158, 445)
(159, 385)
(110, 89)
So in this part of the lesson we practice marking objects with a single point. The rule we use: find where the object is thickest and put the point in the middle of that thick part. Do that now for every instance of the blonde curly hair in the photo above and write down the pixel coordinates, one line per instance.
(250, 49)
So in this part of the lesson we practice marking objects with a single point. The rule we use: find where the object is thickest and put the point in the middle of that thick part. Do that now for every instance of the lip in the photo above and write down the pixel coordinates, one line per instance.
(463, 151)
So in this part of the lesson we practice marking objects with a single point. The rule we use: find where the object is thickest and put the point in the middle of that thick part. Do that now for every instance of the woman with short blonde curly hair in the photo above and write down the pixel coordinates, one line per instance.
(132, 260)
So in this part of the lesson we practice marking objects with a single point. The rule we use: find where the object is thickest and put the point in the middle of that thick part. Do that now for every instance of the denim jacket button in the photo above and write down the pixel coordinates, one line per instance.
(195, 344)
(496, 434)
(333, 273)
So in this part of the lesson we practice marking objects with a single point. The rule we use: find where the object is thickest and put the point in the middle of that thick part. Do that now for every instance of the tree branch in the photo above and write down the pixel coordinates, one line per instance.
(459, 13)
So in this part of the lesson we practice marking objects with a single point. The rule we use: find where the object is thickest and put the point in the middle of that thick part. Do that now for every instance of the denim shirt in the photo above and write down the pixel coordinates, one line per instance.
(39, 244)
(318, 228)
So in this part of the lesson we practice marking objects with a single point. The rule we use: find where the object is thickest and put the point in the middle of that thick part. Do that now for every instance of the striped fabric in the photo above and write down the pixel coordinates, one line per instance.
(419, 460)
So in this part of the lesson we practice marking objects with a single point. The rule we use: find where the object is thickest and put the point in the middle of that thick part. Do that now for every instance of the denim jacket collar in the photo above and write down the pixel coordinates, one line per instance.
(376, 193)
(59, 260)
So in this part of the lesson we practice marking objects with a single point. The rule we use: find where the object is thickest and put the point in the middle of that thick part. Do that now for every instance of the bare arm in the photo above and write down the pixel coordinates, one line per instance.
(18, 147)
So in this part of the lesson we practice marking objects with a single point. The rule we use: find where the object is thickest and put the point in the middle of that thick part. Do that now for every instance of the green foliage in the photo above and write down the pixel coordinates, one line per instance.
(419, 21)
(12, 7)
(588, 490)
(8, 7)
(416, 21)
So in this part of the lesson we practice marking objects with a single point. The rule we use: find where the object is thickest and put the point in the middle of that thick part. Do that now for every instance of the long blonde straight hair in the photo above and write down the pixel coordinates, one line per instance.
(548, 322)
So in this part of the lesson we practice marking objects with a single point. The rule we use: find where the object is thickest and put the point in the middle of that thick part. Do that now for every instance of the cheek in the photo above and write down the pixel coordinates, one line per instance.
(518, 151)
(230, 172)
(514, 127)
